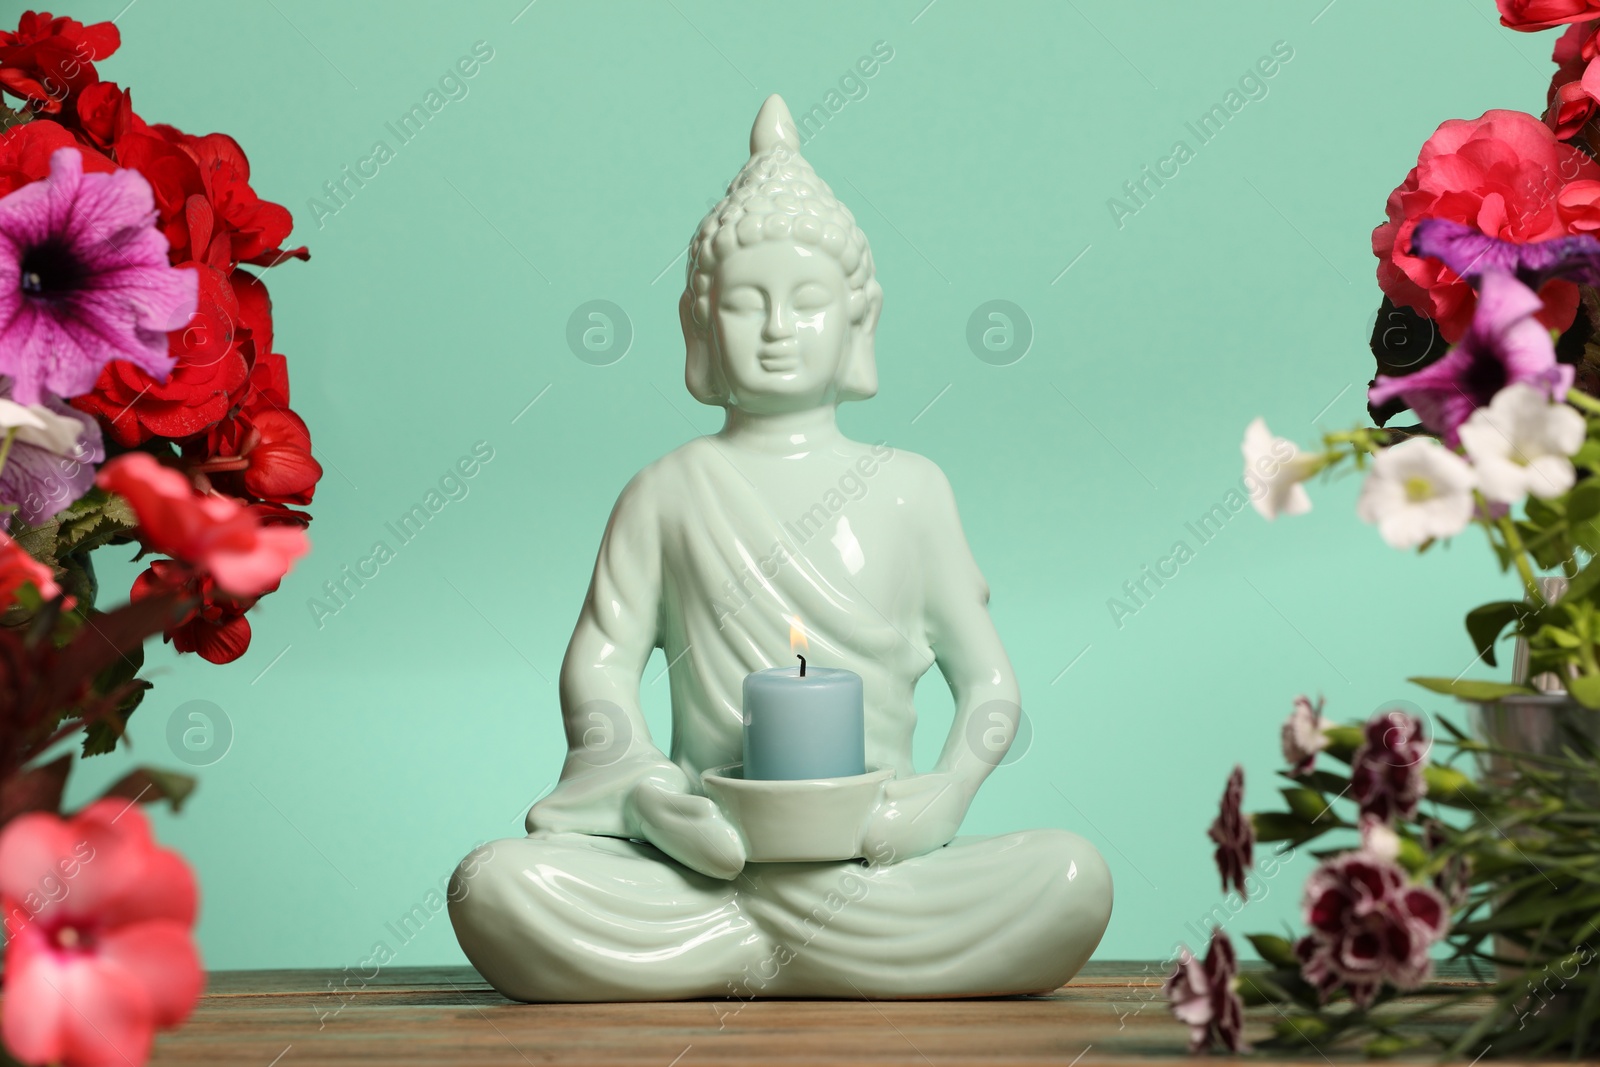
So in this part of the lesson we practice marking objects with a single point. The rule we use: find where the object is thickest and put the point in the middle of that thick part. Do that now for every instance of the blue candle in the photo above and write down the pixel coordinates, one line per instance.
(803, 722)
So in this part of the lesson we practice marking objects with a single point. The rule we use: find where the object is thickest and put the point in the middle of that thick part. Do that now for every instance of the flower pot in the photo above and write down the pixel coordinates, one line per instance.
(1538, 724)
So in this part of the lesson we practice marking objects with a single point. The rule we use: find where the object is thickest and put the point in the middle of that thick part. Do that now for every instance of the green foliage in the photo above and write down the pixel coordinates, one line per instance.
(1472, 688)
(1277, 951)
(1520, 865)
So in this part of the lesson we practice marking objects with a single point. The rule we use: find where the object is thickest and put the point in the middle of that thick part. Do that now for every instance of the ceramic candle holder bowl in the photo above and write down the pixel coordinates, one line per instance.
(797, 820)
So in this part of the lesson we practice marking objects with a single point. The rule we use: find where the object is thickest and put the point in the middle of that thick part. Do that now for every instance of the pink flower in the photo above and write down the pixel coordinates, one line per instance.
(1386, 771)
(1204, 996)
(84, 279)
(17, 569)
(1573, 88)
(216, 535)
(99, 953)
(1500, 173)
(1579, 205)
(1235, 837)
(1302, 735)
(1369, 926)
(1531, 15)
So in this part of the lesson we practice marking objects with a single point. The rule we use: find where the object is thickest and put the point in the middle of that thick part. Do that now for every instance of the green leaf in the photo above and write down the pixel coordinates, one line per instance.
(1485, 623)
(1543, 513)
(1326, 782)
(149, 785)
(1559, 637)
(1284, 826)
(101, 737)
(1411, 856)
(1471, 688)
(1306, 803)
(1588, 456)
(1301, 1029)
(1585, 689)
(1446, 785)
(1584, 582)
(92, 520)
(1256, 988)
(1343, 741)
(1583, 502)
(1385, 1045)
(1275, 950)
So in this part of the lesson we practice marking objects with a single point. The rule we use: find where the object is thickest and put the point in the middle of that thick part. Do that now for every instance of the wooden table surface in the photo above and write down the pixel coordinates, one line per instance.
(1112, 1013)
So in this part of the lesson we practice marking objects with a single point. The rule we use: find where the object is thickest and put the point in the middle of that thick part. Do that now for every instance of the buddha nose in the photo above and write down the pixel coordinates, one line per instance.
(780, 322)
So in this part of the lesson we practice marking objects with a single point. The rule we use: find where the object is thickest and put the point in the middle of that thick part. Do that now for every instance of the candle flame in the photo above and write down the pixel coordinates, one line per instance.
(797, 636)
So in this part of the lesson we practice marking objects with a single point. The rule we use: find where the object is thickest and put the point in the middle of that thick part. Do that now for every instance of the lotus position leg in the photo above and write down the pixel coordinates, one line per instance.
(565, 917)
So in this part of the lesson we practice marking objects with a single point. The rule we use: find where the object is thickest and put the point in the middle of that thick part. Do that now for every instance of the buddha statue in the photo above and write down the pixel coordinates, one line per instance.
(632, 884)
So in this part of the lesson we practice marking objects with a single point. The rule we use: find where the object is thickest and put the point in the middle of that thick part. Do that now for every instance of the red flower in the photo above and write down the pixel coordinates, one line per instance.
(209, 376)
(17, 569)
(204, 200)
(1573, 90)
(1386, 771)
(1502, 174)
(216, 535)
(49, 59)
(263, 452)
(1531, 15)
(25, 154)
(1204, 995)
(99, 951)
(1235, 837)
(1579, 204)
(1369, 926)
(216, 627)
(105, 112)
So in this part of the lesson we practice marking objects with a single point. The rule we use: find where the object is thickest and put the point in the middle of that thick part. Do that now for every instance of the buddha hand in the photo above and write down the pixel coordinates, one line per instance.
(686, 826)
(914, 816)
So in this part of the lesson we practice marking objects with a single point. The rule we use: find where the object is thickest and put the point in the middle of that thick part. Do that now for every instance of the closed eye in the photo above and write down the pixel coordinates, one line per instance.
(812, 297)
(743, 298)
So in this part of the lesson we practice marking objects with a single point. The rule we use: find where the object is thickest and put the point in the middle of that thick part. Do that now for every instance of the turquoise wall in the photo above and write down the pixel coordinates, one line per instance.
(372, 747)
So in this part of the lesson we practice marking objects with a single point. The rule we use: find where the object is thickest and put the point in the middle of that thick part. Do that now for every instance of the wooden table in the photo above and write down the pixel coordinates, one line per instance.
(1113, 1012)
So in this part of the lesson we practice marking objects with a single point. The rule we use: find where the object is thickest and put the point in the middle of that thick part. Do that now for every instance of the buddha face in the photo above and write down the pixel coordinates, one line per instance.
(781, 326)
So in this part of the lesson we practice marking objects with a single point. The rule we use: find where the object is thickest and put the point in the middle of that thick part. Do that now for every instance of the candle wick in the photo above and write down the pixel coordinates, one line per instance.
(802, 660)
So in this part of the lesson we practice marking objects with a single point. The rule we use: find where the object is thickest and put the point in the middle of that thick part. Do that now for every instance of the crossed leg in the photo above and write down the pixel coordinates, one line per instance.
(559, 917)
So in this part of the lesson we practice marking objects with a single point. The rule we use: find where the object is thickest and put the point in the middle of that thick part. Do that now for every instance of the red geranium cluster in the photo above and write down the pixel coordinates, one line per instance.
(222, 415)
(1507, 175)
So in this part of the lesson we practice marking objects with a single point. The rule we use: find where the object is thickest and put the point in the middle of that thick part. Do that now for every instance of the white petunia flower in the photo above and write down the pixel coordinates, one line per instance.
(1417, 490)
(1274, 469)
(1521, 444)
(38, 425)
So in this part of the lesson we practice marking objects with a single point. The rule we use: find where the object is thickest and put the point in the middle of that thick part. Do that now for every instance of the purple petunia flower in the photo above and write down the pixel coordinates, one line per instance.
(84, 279)
(1503, 345)
(1472, 254)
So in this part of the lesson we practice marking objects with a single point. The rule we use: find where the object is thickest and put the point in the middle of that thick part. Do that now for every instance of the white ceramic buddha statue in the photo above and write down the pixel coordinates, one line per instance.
(632, 884)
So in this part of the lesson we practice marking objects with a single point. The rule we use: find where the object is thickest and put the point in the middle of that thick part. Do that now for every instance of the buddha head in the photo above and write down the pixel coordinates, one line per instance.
(781, 303)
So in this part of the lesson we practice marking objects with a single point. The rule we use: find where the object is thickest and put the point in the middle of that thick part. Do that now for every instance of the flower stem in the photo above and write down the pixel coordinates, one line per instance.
(1583, 400)
(5, 447)
(1508, 530)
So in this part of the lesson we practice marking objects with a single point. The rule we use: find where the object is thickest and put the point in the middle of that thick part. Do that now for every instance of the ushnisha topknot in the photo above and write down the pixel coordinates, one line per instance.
(777, 196)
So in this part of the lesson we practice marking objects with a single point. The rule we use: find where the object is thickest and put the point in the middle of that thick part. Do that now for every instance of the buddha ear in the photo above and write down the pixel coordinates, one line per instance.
(700, 371)
(858, 380)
